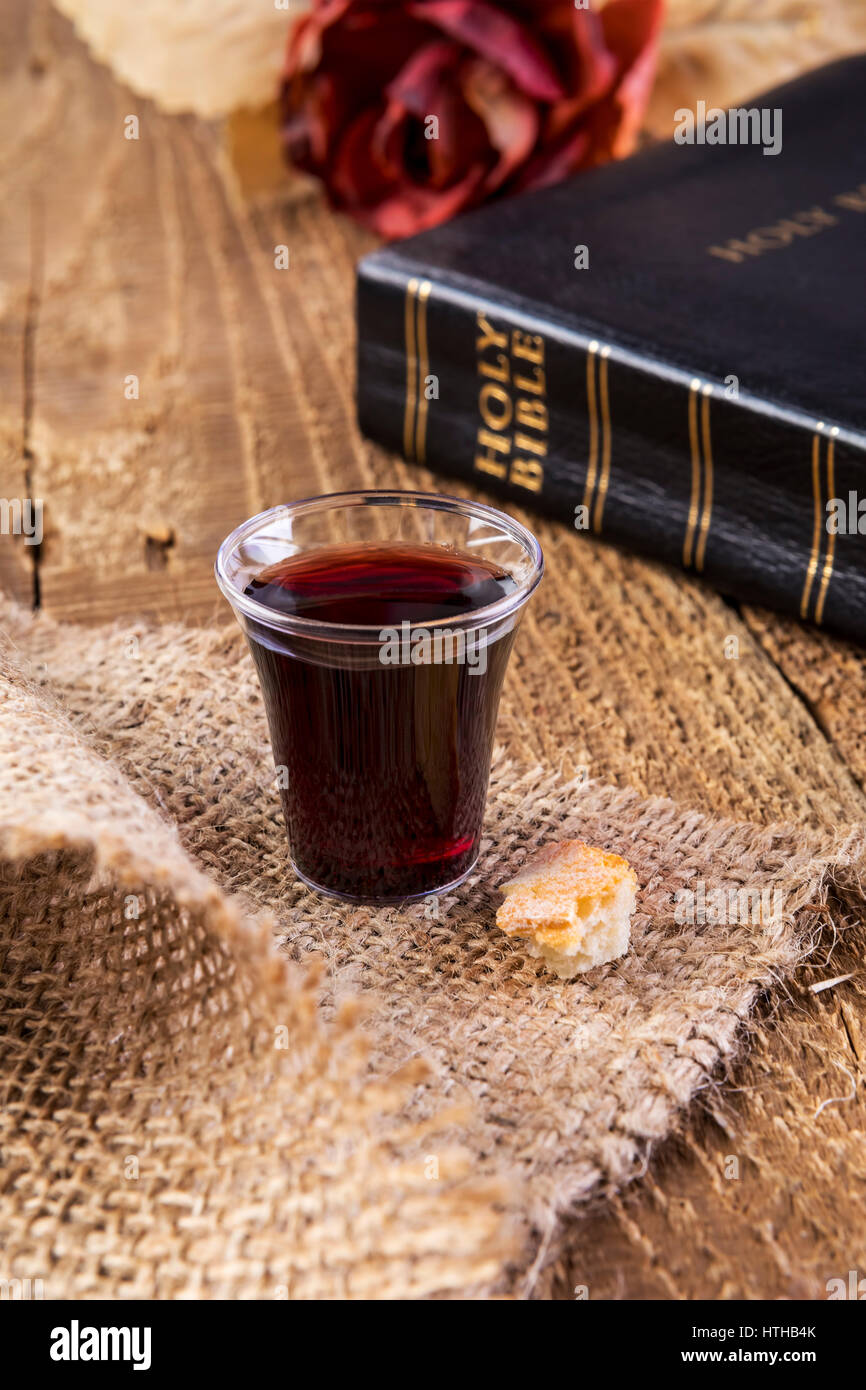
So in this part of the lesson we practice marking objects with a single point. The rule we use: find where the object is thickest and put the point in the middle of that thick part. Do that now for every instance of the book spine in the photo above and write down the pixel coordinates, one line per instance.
(762, 501)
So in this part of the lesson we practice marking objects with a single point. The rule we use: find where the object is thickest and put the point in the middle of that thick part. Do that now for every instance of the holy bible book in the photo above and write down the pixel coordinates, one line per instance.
(669, 351)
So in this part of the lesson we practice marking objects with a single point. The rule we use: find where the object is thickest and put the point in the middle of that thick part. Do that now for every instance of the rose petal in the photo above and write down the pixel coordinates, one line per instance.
(419, 81)
(363, 45)
(305, 41)
(525, 92)
(413, 209)
(500, 38)
(554, 163)
(427, 86)
(598, 65)
(356, 175)
(632, 28)
(311, 112)
(510, 119)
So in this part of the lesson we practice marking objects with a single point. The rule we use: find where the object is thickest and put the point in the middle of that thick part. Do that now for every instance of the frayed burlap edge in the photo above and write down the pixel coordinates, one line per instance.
(677, 1058)
(526, 807)
(158, 1067)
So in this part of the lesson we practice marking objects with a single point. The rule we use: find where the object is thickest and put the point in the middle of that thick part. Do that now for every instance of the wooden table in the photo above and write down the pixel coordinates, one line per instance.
(160, 380)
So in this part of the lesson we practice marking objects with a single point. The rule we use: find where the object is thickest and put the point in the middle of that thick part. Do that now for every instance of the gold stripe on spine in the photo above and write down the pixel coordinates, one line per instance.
(816, 524)
(831, 538)
(605, 441)
(423, 368)
(411, 370)
(707, 511)
(592, 411)
(688, 543)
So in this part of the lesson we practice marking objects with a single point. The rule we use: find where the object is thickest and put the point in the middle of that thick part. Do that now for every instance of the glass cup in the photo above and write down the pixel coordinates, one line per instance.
(381, 735)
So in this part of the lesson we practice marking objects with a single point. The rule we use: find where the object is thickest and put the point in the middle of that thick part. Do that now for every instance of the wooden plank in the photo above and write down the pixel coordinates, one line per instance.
(134, 398)
(828, 674)
(17, 556)
(20, 285)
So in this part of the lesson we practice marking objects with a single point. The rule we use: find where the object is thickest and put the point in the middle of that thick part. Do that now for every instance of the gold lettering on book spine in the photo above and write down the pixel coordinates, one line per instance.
(694, 445)
(411, 369)
(831, 535)
(417, 369)
(816, 522)
(604, 478)
(819, 528)
(423, 371)
(701, 500)
(707, 509)
(592, 412)
(511, 440)
(598, 413)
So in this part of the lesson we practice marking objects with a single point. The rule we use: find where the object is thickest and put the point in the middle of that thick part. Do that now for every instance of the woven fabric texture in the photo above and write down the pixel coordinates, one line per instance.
(217, 1084)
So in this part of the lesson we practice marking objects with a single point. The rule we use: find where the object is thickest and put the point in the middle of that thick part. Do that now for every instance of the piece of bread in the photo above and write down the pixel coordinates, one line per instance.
(573, 903)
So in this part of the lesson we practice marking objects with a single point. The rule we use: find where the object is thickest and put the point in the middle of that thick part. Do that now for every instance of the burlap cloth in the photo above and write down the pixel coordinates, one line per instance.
(393, 1103)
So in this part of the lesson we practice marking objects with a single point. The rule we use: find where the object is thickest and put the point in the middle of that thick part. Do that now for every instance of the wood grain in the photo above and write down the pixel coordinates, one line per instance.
(153, 259)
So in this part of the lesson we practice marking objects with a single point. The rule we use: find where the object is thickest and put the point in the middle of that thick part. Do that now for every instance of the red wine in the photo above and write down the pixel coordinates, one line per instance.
(386, 763)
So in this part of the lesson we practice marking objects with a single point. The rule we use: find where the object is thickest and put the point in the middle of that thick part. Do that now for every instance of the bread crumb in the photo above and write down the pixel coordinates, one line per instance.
(573, 904)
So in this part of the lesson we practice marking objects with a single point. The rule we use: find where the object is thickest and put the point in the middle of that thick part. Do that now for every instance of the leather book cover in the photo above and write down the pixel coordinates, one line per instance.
(667, 351)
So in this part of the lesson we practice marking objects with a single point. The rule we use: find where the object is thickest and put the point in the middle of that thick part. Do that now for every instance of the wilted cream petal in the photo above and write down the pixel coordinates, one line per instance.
(206, 56)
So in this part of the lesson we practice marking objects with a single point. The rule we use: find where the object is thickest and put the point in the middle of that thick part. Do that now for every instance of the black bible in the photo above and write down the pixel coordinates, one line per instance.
(667, 351)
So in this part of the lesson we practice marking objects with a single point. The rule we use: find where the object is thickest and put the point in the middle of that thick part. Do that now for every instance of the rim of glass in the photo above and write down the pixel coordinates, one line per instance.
(316, 627)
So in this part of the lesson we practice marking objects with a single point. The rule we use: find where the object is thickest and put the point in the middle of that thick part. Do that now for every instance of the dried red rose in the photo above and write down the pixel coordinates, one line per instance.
(520, 92)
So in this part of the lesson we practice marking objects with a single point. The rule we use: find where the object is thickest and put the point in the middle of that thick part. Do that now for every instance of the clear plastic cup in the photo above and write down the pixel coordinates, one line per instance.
(381, 732)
